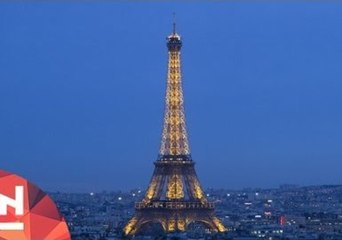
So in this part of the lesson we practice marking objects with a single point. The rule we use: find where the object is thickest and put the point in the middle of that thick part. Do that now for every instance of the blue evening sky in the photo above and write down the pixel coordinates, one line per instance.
(82, 92)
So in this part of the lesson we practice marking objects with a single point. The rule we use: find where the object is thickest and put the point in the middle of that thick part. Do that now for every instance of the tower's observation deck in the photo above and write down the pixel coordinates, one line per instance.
(174, 197)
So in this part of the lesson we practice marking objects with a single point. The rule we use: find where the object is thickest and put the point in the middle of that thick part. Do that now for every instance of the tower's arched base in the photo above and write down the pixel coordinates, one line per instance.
(173, 220)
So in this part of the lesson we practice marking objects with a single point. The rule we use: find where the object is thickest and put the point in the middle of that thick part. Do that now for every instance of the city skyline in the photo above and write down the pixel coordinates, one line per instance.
(81, 97)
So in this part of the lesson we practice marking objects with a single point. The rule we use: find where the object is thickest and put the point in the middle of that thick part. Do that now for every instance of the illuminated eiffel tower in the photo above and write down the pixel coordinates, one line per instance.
(174, 197)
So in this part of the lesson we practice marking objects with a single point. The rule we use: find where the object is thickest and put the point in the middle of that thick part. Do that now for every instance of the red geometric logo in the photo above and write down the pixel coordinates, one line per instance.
(27, 213)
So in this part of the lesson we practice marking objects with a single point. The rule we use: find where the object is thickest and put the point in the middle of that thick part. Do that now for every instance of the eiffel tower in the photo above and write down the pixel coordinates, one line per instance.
(174, 197)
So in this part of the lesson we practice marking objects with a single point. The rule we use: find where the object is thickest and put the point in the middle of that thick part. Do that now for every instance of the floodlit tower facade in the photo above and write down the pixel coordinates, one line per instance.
(174, 197)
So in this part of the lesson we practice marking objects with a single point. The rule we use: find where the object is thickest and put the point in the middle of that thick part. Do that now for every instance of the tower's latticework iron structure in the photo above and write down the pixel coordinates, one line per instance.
(174, 197)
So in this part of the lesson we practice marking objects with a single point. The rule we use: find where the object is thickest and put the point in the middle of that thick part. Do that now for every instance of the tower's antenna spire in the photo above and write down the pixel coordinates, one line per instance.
(174, 23)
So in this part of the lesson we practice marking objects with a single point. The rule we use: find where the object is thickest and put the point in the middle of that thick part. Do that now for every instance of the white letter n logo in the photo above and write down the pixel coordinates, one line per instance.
(17, 204)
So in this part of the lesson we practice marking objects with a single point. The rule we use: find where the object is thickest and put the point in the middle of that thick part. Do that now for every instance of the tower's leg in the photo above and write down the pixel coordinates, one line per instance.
(209, 219)
(135, 225)
(218, 224)
(132, 226)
